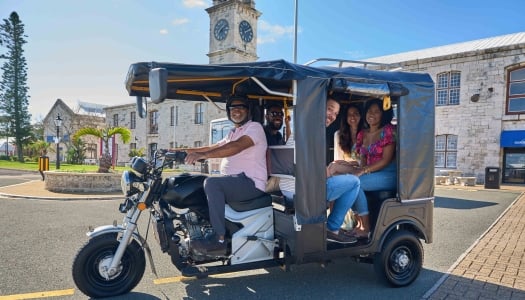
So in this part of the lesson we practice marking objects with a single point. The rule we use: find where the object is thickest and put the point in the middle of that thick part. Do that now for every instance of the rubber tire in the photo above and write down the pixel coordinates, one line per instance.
(399, 243)
(85, 267)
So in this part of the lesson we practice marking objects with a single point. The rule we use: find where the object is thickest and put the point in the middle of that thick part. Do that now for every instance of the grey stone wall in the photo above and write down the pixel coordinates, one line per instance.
(69, 182)
(478, 125)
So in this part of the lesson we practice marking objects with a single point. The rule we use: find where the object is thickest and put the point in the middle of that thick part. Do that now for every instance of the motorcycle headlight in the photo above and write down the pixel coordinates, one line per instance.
(138, 164)
(130, 183)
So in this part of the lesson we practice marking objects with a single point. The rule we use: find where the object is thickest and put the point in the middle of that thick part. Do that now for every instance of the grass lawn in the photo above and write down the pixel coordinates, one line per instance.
(33, 166)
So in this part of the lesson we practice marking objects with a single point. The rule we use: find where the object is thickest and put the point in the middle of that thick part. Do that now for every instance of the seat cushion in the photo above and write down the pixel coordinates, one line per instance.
(251, 204)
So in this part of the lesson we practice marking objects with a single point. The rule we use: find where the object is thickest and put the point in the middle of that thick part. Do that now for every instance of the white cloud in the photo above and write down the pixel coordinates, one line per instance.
(181, 21)
(269, 33)
(164, 31)
(195, 3)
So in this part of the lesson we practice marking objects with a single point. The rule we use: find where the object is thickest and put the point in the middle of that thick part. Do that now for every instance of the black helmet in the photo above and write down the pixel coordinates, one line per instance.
(245, 101)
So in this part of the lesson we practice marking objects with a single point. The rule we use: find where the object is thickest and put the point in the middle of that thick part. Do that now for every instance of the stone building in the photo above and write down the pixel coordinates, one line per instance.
(480, 104)
(167, 125)
(85, 115)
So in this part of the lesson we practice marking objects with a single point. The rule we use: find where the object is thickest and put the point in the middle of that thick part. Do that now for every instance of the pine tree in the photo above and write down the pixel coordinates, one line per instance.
(14, 100)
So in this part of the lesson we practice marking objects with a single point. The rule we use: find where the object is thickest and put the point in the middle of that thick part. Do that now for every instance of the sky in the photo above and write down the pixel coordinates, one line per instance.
(81, 50)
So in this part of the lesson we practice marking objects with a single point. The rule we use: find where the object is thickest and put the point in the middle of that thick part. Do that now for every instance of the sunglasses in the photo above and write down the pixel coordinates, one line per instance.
(238, 106)
(276, 113)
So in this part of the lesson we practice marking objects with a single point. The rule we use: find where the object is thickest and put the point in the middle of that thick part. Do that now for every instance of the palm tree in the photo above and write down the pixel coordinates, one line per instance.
(41, 147)
(105, 134)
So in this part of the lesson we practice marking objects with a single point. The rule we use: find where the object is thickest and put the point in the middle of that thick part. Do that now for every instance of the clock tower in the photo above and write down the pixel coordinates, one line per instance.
(233, 31)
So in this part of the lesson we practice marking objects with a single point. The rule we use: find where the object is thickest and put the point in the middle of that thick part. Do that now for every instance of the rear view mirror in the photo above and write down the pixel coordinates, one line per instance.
(141, 107)
(158, 85)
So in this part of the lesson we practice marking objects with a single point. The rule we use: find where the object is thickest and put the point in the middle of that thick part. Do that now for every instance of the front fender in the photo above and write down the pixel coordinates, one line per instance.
(114, 229)
(104, 229)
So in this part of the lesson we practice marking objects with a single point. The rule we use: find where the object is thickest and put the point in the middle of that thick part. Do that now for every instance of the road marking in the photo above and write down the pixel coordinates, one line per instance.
(172, 279)
(70, 292)
(36, 295)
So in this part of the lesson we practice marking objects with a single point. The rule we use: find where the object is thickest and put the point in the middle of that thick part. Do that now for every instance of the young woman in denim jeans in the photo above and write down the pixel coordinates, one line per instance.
(376, 146)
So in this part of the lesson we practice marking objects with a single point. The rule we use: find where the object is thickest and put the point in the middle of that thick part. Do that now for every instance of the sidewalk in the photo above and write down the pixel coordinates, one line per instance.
(494, 266)
(35, 190)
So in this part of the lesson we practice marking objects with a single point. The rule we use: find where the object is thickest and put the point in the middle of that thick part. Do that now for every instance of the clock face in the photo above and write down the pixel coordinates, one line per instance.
(246, 31)
(221, 29)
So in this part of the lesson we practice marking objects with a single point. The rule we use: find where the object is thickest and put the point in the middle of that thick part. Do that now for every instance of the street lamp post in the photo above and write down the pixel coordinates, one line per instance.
(58, 123)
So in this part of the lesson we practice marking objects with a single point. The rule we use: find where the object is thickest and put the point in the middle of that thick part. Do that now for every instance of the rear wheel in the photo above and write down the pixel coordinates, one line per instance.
(401, 259)
(94, 258)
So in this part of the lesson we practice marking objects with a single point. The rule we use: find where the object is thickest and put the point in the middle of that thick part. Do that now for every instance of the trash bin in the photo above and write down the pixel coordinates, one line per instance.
(43, 165)
(492, 177)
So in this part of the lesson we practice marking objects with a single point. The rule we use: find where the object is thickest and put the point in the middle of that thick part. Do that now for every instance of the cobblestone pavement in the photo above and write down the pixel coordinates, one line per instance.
(492, 268)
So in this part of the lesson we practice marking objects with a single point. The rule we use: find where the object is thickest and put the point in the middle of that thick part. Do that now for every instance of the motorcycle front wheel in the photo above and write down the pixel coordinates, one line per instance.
(95, 256)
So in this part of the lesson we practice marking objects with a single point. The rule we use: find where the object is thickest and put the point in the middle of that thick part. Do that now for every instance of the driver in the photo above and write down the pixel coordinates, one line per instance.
(243, 170)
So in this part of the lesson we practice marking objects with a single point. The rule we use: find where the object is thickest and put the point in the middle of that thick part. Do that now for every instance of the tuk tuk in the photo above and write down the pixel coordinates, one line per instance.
(401, 218)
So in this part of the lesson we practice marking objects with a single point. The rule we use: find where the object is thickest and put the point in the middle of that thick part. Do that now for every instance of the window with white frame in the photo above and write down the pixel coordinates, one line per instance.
(152, 149)
(154, 122)
(133, 120)
(115, 120)
(516, 91)
(447, 88)
(197, 144)
(91, 150)
(199, 113)
(446, 151)
(172, 116)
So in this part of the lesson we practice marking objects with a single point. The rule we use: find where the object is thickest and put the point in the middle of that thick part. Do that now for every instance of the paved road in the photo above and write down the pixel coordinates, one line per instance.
(41, 237)
(9, 177)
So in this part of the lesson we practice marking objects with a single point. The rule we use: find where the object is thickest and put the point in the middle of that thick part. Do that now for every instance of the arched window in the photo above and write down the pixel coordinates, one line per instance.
(447, 88)
(446, 152)
(516, 91)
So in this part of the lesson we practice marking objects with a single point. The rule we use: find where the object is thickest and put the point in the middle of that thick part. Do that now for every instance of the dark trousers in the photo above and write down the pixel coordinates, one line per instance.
(227, 189)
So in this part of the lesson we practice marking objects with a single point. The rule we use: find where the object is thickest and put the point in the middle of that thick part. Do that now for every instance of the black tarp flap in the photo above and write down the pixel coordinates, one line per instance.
(310, 147)
(416, 142)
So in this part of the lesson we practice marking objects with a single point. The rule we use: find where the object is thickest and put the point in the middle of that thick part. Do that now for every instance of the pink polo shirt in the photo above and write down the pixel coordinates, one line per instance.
(251, 161)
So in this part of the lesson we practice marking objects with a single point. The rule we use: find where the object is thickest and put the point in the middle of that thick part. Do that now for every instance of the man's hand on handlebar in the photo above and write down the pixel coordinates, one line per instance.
(193, 157)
